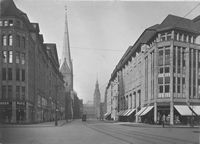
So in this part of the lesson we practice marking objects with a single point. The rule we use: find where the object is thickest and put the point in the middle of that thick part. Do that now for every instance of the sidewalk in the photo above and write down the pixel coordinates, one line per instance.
(44, 124)
(133, 124)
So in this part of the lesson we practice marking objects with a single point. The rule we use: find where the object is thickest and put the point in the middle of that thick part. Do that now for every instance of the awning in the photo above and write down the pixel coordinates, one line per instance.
(126, 111)
(120, 113)
(146, 110)
(130, 112)
(196, 109)
(142, 109)
(106, 114)
(184, 110)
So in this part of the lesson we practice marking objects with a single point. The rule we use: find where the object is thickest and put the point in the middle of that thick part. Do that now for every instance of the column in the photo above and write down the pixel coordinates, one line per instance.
(13, 112)
(136, 106)
(155, 112)
(171, 85)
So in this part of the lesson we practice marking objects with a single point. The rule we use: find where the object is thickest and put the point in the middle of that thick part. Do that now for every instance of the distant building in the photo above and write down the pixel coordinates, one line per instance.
(29, 70)
(97, 100)
(88, 109)
(159, 76)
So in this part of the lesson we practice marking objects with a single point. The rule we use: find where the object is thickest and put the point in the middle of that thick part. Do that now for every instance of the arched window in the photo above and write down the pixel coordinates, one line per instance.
(4, 40)
(10, 40)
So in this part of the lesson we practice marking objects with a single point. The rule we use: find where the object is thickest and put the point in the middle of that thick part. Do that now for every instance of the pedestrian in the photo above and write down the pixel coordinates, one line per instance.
(163, 121)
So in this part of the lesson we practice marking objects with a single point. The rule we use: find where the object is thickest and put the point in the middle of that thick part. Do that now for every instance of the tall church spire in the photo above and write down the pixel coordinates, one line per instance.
(66, 55)
(66, 66)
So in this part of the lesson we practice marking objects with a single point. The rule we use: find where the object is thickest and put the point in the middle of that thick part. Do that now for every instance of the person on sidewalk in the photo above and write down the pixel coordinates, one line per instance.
(163, 121)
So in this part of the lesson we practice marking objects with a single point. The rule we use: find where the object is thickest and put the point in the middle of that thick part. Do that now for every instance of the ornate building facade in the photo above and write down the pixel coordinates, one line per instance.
(158, 77)
(29, 71)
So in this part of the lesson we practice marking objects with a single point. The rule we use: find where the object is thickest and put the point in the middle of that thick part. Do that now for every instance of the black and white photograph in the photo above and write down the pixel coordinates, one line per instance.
(99, 72)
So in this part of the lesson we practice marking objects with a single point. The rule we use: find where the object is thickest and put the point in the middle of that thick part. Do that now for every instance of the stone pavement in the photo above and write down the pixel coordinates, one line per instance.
(43, 124)
(133, 124)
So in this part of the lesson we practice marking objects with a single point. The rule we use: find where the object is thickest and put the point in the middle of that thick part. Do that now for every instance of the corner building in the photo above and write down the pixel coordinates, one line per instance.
(159, 76)
(29, 70)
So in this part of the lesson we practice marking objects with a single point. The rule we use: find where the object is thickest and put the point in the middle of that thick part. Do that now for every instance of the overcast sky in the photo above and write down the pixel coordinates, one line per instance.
(100, 32)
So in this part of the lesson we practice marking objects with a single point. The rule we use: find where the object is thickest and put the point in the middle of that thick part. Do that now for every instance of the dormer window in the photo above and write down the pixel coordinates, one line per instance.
(169, 36)
(162, 37)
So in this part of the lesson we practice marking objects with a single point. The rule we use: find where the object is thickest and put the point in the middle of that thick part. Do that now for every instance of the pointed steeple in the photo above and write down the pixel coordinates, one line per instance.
(66, 55)
(66, 67)
(97, 99)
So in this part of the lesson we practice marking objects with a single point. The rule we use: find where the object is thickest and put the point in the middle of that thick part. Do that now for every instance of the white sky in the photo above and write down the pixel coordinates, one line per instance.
(100, 32)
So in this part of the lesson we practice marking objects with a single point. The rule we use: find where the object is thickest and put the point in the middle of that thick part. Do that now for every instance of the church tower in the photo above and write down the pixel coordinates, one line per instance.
(97, 100)
(66, 68)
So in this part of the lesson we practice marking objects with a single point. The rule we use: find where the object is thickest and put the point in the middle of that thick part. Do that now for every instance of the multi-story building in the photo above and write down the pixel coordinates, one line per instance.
(31, 86)
(159, 76)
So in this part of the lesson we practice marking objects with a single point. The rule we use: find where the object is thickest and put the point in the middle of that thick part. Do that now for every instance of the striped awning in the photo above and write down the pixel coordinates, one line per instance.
(146, 110)
(130, 112)
(184, 110)
(140, 112)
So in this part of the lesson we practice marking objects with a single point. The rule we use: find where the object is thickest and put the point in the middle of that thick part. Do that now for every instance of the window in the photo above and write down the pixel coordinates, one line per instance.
(167, 56)
(3, 92)
(17, 74)
(23, 93)
(23, 58)
(4, 40)
(10, 91)
(175, 36)
(167, 80)
(23, 75)
(3, 73)
(10, 56)
(17, 57)
(169, 36)
(1, 23)
(18, 92)
(23, 42)
(18, 41)
(185, 38)
(5, 23)
(162, 37)
(4, 56)
(160, 89)
(166, 88)
(10, 40)
(160, 58)
(161, 70)
(166, 69)
(9, 73)
(160, 80)
(10, 22)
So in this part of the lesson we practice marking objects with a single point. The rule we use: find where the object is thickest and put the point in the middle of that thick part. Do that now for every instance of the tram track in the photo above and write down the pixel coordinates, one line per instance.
(140, 137)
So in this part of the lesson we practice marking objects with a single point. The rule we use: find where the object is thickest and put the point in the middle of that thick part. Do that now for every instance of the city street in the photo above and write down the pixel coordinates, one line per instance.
(96, 132)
